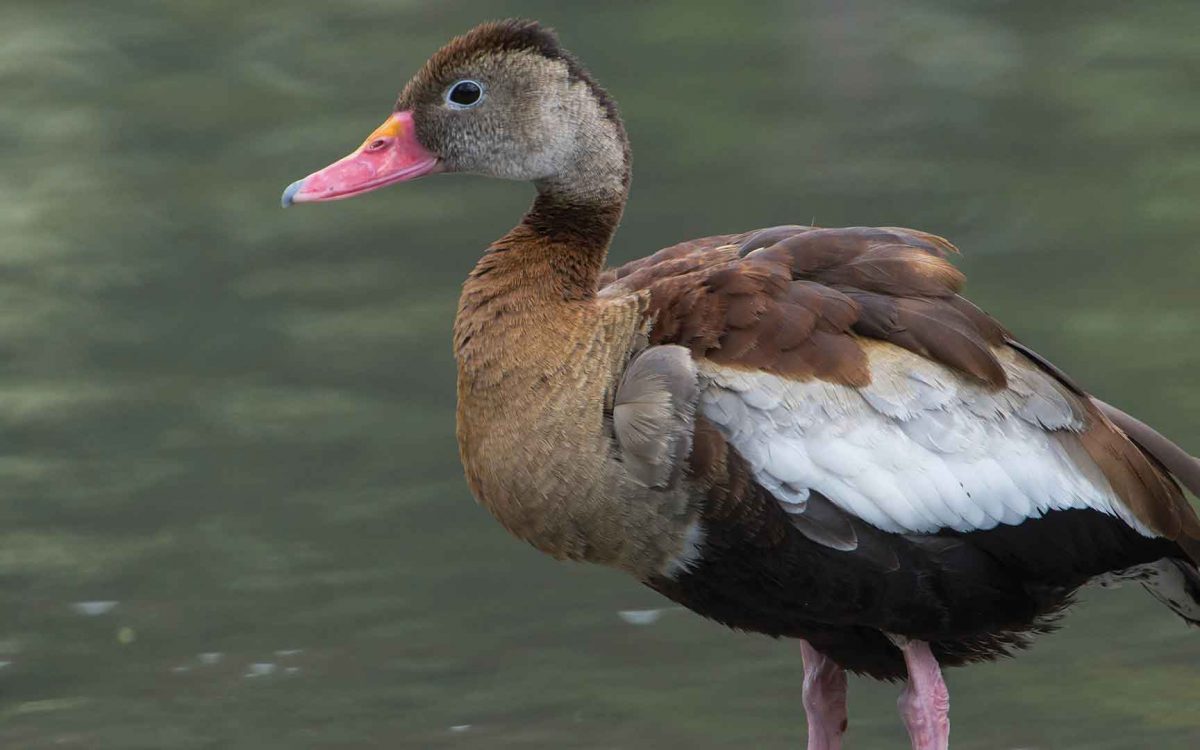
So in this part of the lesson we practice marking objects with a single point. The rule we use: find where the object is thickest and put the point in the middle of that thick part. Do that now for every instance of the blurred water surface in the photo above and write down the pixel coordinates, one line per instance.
(233, 514)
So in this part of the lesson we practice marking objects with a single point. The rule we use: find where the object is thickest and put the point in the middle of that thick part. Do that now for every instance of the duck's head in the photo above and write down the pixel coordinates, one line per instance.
(503, 100)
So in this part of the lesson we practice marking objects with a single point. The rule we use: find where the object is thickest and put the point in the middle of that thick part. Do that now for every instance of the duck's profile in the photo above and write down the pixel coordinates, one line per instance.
(797, 431)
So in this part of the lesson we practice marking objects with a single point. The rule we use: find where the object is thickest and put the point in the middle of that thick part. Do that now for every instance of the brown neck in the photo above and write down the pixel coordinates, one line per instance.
(551, 261)
(554, 255)
(563, 238)
(565, 243)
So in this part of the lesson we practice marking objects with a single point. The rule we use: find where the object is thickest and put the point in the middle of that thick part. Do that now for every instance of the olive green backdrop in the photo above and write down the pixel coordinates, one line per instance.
(236, 422)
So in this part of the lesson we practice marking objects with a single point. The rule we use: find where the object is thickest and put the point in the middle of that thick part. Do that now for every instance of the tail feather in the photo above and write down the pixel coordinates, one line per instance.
(1175, 583)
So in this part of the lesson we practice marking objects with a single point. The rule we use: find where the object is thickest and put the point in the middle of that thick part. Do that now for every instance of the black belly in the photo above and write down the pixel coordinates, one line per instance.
(974, 596)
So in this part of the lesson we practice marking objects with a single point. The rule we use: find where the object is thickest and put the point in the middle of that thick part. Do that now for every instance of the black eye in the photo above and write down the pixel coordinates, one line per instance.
(465, 94)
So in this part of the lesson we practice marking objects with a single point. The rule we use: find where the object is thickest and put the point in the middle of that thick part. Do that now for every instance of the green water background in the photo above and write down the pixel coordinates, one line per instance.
(236, 422)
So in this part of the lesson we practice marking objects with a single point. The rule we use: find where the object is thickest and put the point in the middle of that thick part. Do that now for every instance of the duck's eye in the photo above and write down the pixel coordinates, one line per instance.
(465, 94)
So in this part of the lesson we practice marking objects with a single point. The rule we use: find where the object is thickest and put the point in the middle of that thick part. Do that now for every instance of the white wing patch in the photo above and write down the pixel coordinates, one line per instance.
(919, 449)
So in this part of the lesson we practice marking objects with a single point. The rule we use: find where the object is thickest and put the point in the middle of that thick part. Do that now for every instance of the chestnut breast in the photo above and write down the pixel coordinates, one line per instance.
(535, 388)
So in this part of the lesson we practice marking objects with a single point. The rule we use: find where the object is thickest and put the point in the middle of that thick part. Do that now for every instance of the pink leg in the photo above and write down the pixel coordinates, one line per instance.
(925, 702)
(824, 699)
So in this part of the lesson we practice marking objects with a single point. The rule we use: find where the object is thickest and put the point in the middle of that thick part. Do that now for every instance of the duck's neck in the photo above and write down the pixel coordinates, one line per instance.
(557, 251)
(530, 289)
(533, 281)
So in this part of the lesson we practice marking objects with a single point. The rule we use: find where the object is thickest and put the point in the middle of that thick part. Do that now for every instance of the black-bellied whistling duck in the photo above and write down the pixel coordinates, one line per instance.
(797, 431)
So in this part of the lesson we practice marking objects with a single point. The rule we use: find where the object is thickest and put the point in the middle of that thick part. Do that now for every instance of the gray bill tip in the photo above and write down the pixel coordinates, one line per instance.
(289, 194)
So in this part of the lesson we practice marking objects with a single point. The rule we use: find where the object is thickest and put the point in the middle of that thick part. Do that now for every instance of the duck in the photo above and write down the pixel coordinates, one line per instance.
(803, 432)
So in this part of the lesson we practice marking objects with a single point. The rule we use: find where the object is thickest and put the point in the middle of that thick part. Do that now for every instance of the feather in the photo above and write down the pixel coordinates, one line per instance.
(653, 414)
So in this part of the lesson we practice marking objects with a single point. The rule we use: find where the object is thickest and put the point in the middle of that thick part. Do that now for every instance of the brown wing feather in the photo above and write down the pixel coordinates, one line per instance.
(1139, 463)
(1184, 466)
(797, 301)
(801, 302)
(674, 252)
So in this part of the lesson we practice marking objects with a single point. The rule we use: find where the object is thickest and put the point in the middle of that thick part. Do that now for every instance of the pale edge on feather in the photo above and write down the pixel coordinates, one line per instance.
(689, 555)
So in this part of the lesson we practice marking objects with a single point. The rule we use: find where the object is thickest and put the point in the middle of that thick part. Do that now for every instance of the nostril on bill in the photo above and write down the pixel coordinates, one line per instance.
(377, 144)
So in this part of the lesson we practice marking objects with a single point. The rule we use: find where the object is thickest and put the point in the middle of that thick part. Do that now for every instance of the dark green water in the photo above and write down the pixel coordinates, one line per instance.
(236, 422)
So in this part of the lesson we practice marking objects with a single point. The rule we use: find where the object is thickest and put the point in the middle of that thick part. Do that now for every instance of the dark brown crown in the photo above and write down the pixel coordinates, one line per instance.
(514, 35)
(510, 35)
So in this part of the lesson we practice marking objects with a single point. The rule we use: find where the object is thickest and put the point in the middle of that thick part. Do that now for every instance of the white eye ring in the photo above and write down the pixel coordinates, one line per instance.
(464, 94)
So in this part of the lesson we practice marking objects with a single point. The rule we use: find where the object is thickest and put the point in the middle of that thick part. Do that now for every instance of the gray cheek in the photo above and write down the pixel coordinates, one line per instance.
(461, 149)
(493, 143)
(505, 155)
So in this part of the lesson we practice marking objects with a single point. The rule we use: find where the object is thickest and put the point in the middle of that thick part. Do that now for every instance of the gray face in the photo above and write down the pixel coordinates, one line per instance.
(524, 126)
(535, 121)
